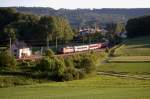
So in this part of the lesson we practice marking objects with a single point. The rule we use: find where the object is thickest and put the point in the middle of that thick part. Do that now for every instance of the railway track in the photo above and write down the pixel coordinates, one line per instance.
(70, 54)
(37, 57)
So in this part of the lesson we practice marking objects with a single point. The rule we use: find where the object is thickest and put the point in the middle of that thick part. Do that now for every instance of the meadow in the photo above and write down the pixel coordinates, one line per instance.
(135, 47)
(98, 87)
(126, 67)
(132, 58)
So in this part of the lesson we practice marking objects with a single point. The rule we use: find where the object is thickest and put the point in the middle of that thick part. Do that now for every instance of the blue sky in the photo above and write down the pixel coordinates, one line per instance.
(73, 4)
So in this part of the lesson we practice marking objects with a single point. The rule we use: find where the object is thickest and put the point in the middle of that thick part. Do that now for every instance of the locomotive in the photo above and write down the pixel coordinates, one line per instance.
(80, 48)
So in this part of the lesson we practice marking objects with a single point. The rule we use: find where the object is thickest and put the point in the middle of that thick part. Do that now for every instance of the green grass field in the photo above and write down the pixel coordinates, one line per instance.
(135, 47)
(126, 67)
(130, 59)
(99, 87)
(133, 57)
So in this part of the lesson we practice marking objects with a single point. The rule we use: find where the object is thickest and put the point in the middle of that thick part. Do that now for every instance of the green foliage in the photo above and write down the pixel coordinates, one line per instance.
(52, 66)
(46, 64)
(10, 32)
(138, 26)
(6, 60)
(71, 74)
(21, 26)
(74, 67)
(15, 81)
(88, 17)
(49, 53)
(89, 64)
(25, 64)
(59, 68)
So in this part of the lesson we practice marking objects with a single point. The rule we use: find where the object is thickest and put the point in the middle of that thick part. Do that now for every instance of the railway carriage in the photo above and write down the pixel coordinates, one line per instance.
(81, 48)
(67, 50)
(94, 46)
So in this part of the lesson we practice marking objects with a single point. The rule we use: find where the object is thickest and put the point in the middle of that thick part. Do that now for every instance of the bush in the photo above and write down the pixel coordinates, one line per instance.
(69, 63)
(49, 53)
(59, 70)
(70, 74)
(88, 64)
(25, 64)
(73, 67)
(46, 64)
(54, 67)
(7, 61)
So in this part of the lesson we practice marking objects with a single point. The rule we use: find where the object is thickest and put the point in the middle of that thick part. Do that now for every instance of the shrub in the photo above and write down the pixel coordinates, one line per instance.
(25, 64)
(53, 67)
(88, 64)
(69, 63)
(59, 68)
(46, 64)
(49, 53)
(6, 60)
(73, 67)
(70, 74)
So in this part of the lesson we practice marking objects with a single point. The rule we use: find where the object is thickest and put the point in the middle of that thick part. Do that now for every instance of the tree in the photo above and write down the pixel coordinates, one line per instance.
(7, 61)
(62, 30)
(47, 26)
(10, 32)
(138, 26)
(120, 27)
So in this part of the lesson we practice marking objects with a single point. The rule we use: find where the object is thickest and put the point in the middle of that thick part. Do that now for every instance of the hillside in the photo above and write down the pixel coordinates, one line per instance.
(135, 47)
(131, 58)
(87, 16)
(116, 79)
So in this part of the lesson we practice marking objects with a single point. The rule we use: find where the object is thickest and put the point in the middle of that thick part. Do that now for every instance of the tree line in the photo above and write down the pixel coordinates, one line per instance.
(87, 16)
(33, 29)
(138, 26)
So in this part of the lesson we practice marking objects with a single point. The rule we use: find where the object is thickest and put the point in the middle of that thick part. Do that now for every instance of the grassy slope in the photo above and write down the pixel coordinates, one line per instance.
(130, 59)
(99, 87)
(135, 47)
(130, 68)
(104, 87)
(138, 61)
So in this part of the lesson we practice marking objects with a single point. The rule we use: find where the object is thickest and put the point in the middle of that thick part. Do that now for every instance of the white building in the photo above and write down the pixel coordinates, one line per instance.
(20, 50)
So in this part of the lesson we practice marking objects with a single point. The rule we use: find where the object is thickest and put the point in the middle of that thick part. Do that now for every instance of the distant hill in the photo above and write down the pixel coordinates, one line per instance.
(80, 17)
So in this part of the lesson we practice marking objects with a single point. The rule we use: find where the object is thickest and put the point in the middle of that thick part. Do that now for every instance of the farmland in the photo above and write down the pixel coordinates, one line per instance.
(100, 86)
(130, 68)
(105, 87)
(132, 57)
(135, 47)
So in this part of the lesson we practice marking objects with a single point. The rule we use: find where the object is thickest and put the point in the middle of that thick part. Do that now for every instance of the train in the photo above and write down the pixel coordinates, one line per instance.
(81, 48)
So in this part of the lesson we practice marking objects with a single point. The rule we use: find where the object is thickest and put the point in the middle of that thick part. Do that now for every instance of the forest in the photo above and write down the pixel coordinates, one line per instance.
(31, 28)
(84, 17)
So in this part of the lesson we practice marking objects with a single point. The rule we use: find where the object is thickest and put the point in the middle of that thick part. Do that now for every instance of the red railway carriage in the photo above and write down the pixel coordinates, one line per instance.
(94, 46)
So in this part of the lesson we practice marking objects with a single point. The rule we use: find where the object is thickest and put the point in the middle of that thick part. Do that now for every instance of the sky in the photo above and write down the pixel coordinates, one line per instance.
(73, 4)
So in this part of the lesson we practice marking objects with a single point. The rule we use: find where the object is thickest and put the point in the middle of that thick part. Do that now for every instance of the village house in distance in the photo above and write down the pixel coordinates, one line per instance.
(20, 49)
